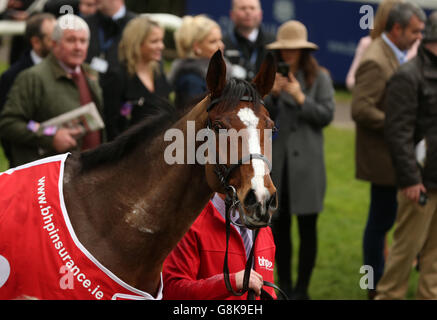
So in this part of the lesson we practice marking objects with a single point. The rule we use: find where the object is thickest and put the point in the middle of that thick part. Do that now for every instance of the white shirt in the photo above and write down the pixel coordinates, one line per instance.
(67, 69)
(120, 13)
(35, 57)
(253, 35)
(400, 55)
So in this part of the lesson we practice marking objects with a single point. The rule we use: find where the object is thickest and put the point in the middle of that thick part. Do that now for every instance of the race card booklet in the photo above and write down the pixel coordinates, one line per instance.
(87, 117)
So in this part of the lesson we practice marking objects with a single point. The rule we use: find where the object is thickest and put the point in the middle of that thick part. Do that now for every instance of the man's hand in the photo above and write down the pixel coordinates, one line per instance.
(65, 139)
(413, 192)
(255, 281)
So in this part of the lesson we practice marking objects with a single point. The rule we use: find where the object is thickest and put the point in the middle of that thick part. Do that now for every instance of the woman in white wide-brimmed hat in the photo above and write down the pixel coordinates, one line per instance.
(302, 104)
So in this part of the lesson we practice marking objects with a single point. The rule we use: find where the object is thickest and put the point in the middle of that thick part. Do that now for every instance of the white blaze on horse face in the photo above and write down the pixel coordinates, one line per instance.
(250, 120)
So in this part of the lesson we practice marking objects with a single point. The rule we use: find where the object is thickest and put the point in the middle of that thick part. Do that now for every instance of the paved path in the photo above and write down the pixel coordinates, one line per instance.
(342, 116)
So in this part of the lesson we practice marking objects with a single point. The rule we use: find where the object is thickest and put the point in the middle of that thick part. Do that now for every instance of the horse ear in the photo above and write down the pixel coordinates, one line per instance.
(266, 76)
(216, 75)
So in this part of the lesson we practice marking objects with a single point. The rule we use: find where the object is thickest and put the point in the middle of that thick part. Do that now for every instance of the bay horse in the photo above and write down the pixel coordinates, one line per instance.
(129, 208)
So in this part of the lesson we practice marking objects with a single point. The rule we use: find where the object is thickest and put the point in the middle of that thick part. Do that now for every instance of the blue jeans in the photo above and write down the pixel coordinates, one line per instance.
(382, 215)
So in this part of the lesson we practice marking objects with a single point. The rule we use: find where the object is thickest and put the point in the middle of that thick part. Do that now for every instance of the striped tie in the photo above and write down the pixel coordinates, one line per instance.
(247, 239)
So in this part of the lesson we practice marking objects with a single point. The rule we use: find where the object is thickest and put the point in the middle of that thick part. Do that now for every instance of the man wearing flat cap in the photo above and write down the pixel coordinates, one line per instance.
(411, 117)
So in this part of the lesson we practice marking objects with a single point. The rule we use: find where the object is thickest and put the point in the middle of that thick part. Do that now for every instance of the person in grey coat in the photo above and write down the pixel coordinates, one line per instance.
(302, 104)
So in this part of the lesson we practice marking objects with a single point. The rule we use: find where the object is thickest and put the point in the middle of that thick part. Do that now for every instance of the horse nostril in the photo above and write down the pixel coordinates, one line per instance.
(272, 203)
(250, 199)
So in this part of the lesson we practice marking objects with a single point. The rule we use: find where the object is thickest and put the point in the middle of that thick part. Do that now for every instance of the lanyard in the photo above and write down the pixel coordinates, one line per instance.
(253, 56)
(104, 45)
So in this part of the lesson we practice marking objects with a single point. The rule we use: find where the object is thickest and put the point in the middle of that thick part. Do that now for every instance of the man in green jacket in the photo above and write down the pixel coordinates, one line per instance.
(60, 83)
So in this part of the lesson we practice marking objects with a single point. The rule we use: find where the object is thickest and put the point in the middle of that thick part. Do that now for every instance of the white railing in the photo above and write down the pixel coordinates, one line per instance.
(168, 21)
(425, 4)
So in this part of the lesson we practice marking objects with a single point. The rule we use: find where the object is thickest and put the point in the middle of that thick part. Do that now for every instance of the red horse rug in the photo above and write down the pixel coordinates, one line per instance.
(40, 255)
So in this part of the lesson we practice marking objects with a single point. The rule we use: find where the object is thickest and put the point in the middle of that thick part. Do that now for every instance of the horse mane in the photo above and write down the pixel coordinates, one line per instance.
(162, 116)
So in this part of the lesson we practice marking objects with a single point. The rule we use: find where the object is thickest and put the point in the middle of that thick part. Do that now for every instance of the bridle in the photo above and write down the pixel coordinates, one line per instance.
(223, 172)
(232, 202)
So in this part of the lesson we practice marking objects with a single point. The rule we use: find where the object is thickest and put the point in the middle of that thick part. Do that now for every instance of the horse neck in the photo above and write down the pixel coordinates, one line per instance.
(183, 190)
(147, 211)
(160, 201)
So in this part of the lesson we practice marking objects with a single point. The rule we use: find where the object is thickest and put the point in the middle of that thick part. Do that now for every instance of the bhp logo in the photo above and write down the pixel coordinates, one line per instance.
(265, 263)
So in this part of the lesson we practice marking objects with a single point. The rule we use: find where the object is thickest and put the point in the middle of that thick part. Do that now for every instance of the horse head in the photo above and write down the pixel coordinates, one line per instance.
(236, 111)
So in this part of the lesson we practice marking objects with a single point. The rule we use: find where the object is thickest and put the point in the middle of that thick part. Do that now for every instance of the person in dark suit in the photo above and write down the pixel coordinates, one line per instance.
(106, 28)
(38, 34)
(61, 7)
(245, 45)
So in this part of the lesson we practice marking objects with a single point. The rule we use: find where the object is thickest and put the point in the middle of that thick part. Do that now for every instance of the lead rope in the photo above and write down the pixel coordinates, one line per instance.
(231, 204)
(223, 173)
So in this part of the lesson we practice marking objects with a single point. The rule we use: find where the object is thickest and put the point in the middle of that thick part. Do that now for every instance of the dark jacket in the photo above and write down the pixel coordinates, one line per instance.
(188, 79)
(8, 77)
(112, 32)
(6, 81)
(411, 115)
(372, 158)
(249, 55)
(298, 149)
(40, 93)
(130, 92)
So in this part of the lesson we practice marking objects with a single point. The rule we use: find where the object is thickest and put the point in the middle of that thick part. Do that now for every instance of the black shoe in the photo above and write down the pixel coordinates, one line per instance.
(287, 289)
(300, 296)
(371, 294)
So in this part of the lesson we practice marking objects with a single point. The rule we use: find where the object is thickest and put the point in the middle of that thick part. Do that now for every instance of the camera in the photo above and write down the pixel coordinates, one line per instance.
(283, 69)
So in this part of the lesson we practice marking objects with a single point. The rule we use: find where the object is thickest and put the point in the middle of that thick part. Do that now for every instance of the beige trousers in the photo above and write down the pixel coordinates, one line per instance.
(415, 232)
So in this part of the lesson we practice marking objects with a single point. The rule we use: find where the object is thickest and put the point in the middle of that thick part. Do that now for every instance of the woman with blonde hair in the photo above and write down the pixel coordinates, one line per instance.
(379, 23)
(197, 39)
(141, 78)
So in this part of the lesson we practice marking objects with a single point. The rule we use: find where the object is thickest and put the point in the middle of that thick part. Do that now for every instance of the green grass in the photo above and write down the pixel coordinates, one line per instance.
(4, 164)
(340, 225)
(3, 66)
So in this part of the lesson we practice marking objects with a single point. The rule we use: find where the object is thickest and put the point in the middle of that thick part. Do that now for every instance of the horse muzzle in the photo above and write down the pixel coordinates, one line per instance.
(258, 214)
